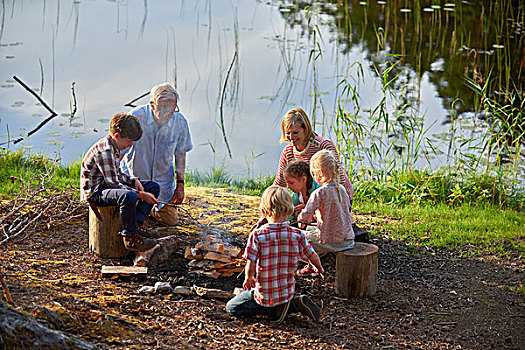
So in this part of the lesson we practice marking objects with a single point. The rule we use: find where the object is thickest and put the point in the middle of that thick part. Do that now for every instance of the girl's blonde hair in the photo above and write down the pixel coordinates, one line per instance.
(327, 162)
(276, 202)
(293, 117)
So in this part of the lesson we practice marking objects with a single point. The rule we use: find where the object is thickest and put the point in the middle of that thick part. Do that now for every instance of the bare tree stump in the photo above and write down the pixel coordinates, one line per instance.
(104, 238)
(356, 271)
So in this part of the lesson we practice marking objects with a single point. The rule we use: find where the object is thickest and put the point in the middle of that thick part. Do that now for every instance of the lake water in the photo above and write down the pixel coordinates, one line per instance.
(115, 51)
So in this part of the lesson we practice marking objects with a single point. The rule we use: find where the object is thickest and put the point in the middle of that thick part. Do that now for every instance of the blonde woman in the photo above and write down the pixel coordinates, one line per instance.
(304, 143)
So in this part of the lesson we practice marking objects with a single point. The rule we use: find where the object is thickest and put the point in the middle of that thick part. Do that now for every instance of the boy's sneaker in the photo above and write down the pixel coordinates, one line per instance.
(137, 243)
(281, 311)
(307, 307)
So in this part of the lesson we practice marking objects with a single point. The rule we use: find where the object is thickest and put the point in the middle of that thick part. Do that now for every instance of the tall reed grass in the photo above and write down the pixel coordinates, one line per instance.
(388, 149)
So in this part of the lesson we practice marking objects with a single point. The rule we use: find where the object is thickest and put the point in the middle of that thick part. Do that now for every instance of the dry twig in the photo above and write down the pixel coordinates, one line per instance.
(6, 291)
(38, 206)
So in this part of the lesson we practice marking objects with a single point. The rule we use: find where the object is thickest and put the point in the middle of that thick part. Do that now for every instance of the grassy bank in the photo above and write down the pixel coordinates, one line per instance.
(470, 230)
(17, 167)
(421, 209)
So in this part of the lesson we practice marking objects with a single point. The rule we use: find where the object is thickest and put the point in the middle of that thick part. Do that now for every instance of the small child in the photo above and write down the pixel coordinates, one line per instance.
(331, 206)
(273, 251)
(299, 179)
(103, 184)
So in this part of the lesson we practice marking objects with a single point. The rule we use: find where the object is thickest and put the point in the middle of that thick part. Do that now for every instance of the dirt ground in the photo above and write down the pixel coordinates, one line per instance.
(425, 299)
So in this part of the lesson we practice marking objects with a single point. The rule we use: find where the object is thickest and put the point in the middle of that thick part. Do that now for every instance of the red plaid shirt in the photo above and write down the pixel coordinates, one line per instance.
(101, 165)
(276, 248)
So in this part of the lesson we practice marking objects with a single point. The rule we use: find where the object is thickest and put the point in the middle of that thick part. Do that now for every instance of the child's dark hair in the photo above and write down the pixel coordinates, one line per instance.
(299, 168)
(126, 125)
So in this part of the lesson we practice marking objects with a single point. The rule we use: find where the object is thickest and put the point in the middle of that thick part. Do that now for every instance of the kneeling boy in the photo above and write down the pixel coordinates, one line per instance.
(103, 184)
(273, 250)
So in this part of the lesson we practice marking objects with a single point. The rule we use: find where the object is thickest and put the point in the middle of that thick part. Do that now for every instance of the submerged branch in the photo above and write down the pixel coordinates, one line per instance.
(42, 102)
(74, 110)
(130, 103)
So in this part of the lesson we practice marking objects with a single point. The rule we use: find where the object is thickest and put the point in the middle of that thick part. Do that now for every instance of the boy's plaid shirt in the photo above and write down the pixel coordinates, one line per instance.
(101, 165)
(276, 248)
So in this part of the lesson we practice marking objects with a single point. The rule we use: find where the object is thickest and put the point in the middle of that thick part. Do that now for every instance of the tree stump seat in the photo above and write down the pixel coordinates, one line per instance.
(356, 271)
(104, 238)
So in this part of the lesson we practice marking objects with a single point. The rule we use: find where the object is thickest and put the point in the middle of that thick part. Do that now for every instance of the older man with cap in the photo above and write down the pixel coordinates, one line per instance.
(165, 140)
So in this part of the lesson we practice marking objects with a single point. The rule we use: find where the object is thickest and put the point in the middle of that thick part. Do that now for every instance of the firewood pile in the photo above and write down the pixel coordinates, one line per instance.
(214, 258)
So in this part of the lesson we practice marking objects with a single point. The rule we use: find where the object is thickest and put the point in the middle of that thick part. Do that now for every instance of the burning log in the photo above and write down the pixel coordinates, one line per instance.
(214, 258)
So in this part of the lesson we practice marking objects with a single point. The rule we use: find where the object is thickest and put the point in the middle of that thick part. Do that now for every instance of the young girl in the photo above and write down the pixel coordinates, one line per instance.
(331, 205)
(299, 179)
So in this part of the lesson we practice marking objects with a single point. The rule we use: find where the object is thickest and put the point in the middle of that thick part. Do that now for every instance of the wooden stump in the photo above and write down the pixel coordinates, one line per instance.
(356, 271)
(104, 238)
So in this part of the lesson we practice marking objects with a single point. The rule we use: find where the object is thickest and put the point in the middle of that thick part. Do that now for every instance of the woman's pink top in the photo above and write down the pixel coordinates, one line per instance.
(333, 213)
(317, 143)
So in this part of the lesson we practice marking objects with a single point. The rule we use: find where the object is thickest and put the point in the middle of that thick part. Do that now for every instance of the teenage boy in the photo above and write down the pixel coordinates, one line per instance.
(273, 251)
(103, 184)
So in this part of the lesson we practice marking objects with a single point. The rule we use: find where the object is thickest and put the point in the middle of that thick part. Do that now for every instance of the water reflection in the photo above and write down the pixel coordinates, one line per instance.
(286, 56)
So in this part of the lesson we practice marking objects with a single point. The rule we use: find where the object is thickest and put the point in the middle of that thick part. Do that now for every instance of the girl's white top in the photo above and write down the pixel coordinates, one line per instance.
(333, 214)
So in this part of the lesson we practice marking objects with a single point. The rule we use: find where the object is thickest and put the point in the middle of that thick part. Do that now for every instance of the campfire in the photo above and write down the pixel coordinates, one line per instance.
(214, 258)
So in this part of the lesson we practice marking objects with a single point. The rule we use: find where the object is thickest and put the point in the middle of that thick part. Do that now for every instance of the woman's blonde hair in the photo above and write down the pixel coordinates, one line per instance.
(327, 162)
(276, 202)
(293, 117)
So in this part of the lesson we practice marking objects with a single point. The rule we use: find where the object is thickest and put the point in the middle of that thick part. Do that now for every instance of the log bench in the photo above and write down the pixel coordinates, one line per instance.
(104, 238)
(356, 271)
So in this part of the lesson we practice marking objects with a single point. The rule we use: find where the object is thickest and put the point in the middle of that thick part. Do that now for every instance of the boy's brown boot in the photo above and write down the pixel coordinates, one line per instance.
(137, 243)
(307, 307)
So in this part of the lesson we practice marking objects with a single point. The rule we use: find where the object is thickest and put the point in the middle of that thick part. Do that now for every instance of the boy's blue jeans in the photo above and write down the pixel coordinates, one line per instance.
(132, 210)
(244, 304)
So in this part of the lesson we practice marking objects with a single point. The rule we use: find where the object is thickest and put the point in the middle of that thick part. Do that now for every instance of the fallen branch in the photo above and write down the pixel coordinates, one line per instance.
(22, 331)
(38, 206)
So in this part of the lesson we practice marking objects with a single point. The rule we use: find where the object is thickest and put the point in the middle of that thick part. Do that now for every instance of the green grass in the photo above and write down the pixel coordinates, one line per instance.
(470, 230)
(31, 167)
